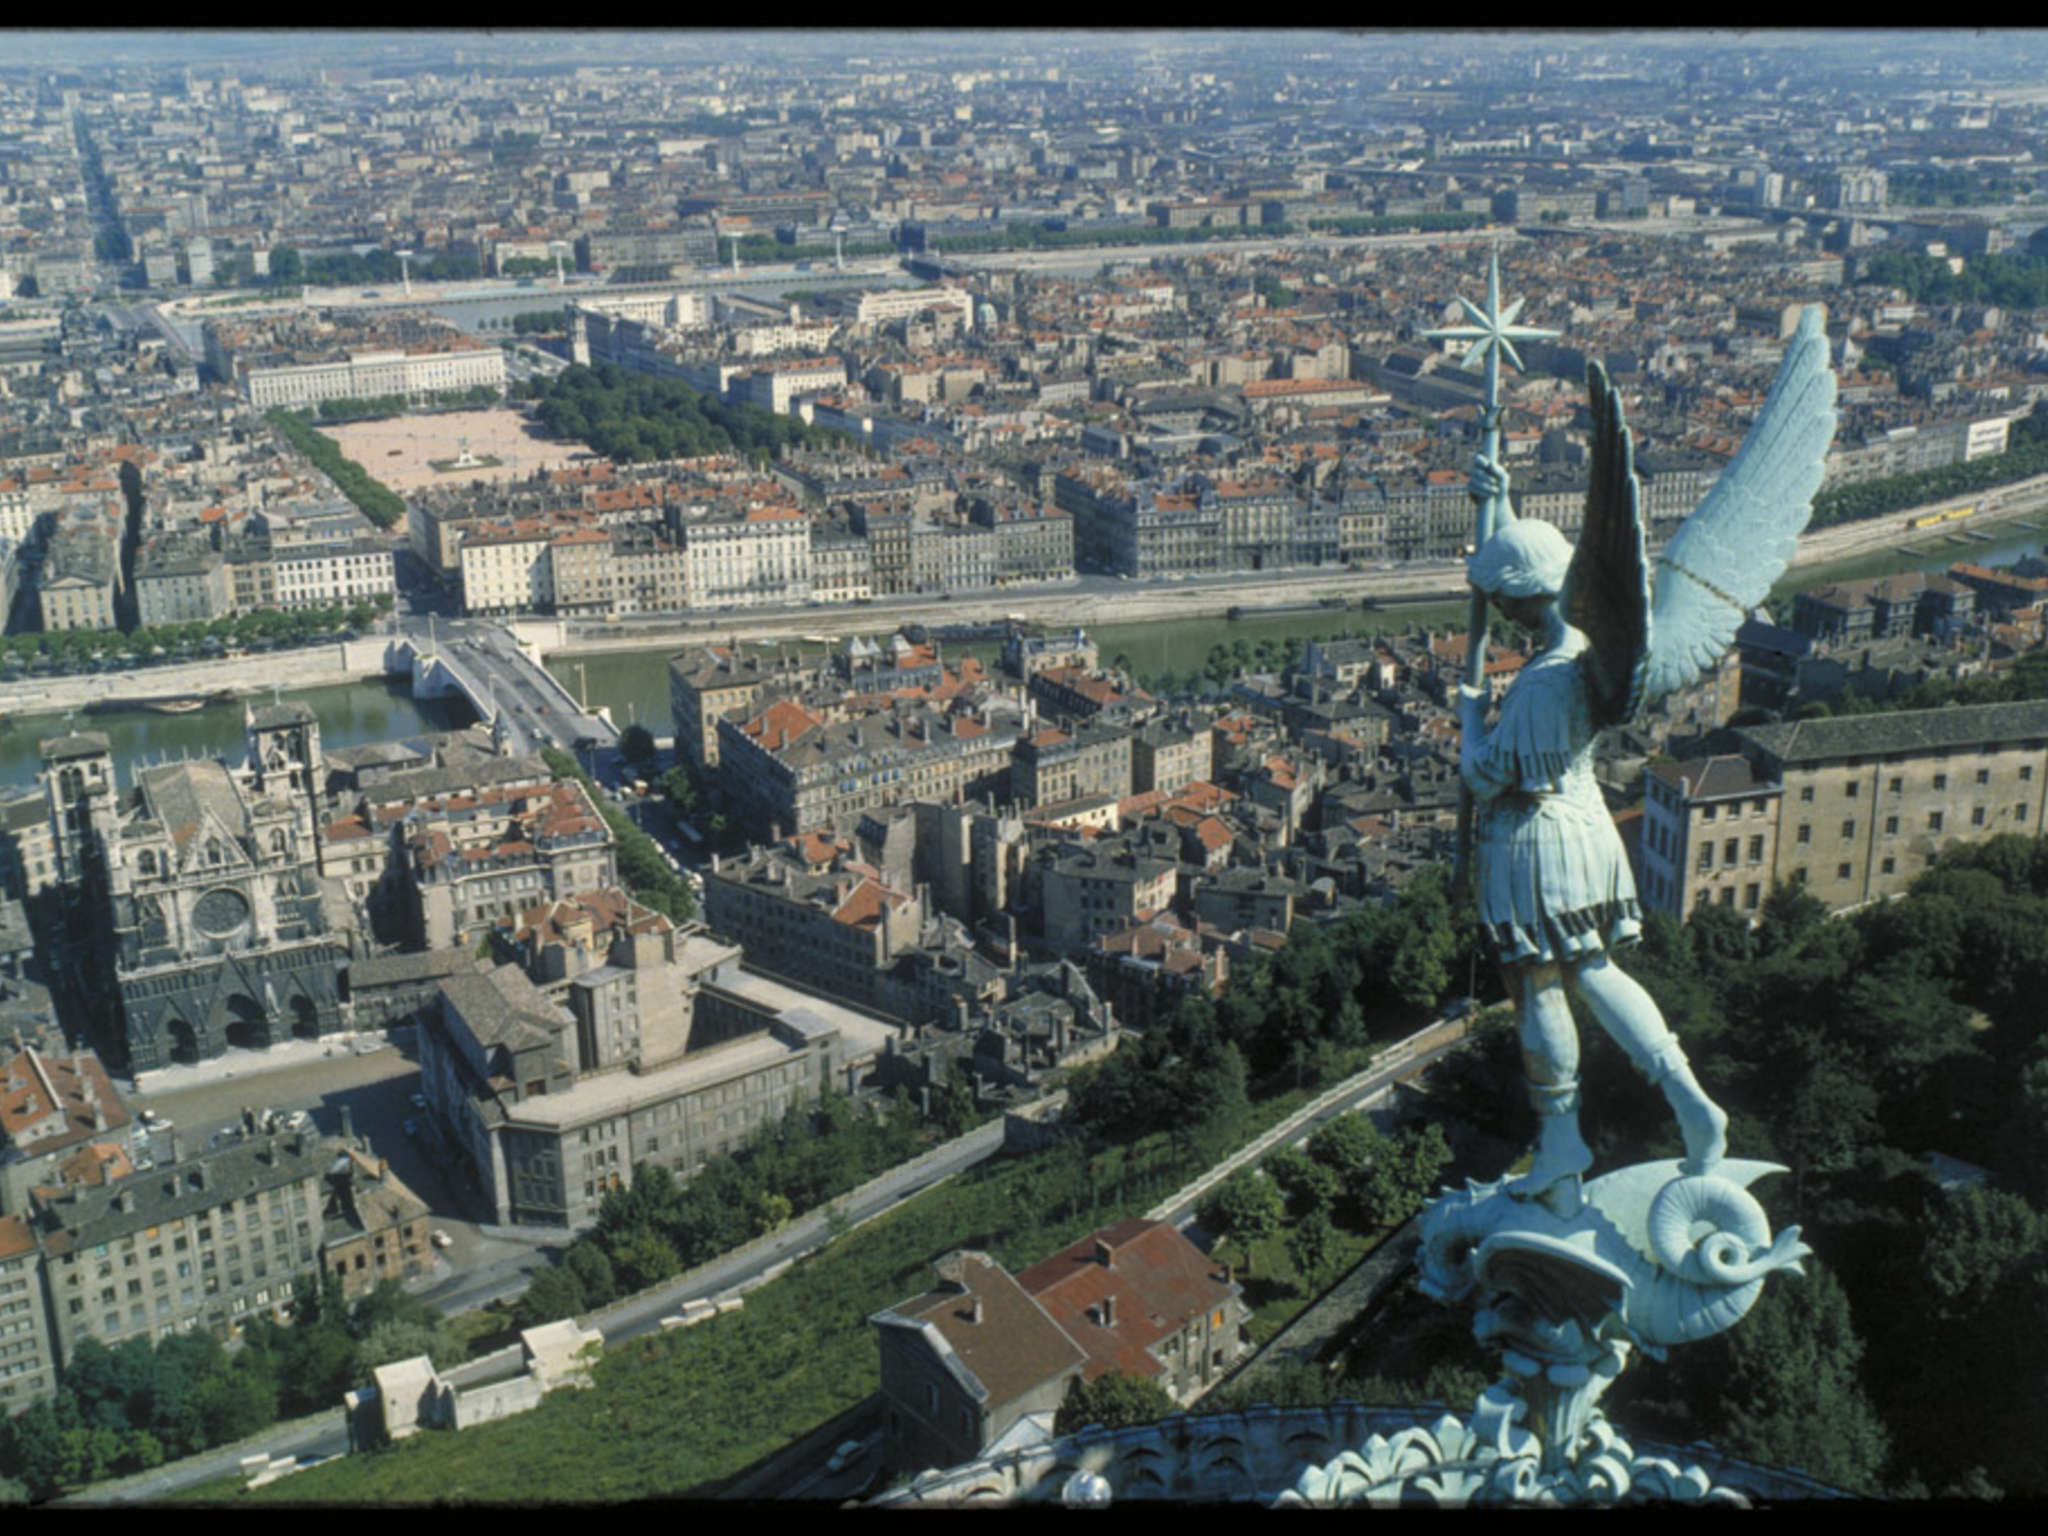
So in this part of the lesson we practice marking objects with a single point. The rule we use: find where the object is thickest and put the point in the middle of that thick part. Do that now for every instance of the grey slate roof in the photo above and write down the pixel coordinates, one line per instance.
(1914, 730)
(162, 1195)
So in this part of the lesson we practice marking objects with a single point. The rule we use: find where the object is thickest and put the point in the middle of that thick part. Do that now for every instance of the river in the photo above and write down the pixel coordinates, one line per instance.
(350, 714)
(634, 684)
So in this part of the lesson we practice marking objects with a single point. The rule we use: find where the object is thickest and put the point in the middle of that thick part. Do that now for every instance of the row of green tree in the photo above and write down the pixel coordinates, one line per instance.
(137, 1405)
(642, 869)
(166, 642)
(376, 500)
(1026, 236)
(636, 417)
(656, 1228)
(2025, 456)
(366, 407)
(1954, 187)
(348, 268)
(1389, 223)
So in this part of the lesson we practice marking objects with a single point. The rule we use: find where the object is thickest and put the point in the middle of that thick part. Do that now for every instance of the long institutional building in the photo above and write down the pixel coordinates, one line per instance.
(1857, 807)
(300, 361)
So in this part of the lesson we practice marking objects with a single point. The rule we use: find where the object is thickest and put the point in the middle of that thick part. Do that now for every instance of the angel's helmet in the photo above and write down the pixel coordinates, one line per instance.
(1527, 558)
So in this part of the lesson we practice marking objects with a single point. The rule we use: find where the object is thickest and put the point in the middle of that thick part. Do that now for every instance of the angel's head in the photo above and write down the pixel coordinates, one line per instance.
(1522, 568)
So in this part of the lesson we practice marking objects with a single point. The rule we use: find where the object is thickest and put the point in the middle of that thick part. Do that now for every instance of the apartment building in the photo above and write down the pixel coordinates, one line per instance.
(1857, 806)
(1088, 893)
(1710, 834)
(182, 579)
(81, 575)
(28, 1353)
(1051, 766)
(477, 854)
(544, 1124)
(833, 930)
(508, 568)
(790, 767)
(760, 557)
(210, 1241)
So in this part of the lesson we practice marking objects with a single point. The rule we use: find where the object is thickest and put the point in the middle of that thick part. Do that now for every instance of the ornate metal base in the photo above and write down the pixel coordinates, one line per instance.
(1493, 1460)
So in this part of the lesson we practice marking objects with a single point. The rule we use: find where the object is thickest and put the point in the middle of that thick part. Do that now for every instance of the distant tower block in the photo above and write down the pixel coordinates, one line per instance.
(558, 247)
(839, 249)
(735, 253)
(579, 338)
(405, 269)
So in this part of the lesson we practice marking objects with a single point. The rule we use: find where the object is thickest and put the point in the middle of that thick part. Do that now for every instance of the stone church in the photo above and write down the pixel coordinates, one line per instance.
(209, 889)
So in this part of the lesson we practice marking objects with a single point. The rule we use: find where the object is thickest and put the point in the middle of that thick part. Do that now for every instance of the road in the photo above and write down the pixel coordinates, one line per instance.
(1087, 600)
(381, 1088)
(731, 1274)
(505, 685)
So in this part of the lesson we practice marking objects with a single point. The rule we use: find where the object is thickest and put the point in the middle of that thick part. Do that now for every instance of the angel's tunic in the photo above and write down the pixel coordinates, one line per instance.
(1553, 880)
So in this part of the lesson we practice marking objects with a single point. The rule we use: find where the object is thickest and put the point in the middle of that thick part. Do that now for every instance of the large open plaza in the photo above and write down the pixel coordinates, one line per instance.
(402, 451)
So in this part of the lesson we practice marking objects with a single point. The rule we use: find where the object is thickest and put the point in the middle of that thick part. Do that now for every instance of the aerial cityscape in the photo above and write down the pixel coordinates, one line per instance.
(905, 767)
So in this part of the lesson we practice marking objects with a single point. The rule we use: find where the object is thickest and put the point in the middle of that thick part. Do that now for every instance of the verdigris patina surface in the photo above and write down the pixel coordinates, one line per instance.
(1567, 1278)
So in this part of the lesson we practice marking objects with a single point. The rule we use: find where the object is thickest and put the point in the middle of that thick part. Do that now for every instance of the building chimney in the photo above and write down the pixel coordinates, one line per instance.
(174, 1149)
(348, 1126)
(1104, 1254)
(975, 1316)
(1109, 1311)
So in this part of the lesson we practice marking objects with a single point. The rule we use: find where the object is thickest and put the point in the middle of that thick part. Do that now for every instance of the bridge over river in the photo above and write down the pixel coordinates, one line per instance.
(502, 679)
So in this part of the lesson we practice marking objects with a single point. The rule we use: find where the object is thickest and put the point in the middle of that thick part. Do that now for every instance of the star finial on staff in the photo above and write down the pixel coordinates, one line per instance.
(1492, 329)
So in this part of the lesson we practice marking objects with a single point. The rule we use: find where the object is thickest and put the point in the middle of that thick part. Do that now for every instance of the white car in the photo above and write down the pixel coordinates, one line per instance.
(442, 1239)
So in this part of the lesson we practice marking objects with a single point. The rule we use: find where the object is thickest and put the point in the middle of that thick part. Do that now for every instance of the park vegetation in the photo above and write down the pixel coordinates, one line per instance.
(368, 407)
(267, 629)
(350, 268)
(634, 418)
(2015, 281)
(374, 499)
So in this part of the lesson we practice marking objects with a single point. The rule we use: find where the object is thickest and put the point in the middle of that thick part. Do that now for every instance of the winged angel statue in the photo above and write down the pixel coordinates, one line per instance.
(1553, 883)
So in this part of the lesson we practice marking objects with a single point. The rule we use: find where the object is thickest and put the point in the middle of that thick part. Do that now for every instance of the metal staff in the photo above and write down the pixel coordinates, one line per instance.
(1492, 332)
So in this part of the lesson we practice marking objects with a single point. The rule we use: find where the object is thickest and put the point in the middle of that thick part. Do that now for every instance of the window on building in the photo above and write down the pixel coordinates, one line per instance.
(1731, 850)
(1850, 789)
(1756, 849)
(1806, 794)
(1751, 893)
(1843, 871)
(1934, 821)
(1708, 812)
(1727, 896)
(2019, 812)
(1977, 816)
(1897, 786)
(1888, 866)
(1758, 806)
(1983, 775)
(1805, 833)
(1941, 781)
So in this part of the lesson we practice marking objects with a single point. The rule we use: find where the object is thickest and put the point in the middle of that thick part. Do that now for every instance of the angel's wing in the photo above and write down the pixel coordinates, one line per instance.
(1725, 557)
(1607, 590)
